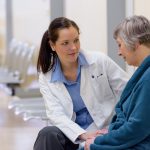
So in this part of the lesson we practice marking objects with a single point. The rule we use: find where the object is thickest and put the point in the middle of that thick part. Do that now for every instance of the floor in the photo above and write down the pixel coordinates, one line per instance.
(16, 134)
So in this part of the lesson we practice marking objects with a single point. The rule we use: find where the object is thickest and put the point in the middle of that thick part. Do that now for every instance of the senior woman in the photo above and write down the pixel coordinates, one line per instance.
(130, 127)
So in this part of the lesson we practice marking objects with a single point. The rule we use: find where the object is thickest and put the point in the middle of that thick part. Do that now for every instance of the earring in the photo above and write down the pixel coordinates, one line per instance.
(53, 49)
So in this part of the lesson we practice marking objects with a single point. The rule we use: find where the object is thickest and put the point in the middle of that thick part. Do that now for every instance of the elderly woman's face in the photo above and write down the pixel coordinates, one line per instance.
(127, 55)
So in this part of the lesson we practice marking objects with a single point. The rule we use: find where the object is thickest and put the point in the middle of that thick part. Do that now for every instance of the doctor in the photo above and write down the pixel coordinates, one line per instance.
(80, 88)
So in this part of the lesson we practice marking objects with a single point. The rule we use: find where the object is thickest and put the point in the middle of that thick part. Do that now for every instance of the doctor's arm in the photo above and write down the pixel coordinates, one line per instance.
(57, 114)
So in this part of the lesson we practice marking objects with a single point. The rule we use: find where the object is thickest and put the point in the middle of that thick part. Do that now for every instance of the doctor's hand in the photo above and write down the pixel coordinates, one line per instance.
(88, 143)
(92, 134)
(89, 135)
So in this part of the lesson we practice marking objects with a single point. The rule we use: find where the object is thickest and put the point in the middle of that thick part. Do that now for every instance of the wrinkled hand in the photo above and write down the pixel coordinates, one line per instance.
(102, 131)
(91, 137)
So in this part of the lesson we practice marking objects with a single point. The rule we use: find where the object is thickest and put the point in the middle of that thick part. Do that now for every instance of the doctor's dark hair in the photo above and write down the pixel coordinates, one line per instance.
(132, 30)
(47, 56)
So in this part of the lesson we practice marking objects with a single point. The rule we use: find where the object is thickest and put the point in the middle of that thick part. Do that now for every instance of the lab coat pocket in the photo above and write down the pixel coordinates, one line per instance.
(102, 87)
(100, 80)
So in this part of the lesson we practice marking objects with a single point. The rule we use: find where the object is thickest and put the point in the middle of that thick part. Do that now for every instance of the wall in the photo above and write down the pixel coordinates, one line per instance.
(137, 7)
(2, 30)
(142, 7)
(91, 18)
(31, 19)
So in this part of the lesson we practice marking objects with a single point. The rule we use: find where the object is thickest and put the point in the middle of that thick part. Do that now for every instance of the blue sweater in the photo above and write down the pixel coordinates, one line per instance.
(130, 127)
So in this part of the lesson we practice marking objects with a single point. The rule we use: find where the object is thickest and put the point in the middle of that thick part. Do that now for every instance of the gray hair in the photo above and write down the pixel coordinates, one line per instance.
(132, 30)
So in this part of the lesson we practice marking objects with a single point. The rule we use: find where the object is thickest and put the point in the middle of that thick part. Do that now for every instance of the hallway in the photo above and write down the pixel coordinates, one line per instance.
(16, 134)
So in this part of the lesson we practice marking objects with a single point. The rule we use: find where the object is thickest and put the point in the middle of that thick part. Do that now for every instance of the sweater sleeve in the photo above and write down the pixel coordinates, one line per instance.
(135, 129)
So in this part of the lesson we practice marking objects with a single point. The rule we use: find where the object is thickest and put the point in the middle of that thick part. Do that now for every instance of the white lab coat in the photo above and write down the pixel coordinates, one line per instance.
(102, 82)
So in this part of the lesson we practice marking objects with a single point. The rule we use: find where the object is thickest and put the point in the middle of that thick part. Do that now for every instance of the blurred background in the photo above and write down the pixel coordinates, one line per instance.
(22, 24)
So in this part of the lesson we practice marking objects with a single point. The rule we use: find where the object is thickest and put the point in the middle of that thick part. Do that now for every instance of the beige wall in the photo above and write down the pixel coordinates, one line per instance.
(142, 7)
(2, 30)
(91, 18)
(31, 20)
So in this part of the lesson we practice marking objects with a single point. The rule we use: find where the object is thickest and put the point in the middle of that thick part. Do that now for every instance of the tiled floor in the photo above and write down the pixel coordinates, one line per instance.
(15, 134)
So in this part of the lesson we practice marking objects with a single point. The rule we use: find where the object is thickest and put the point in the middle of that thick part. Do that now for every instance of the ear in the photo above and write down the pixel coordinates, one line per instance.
(137, 45)
(52, 45)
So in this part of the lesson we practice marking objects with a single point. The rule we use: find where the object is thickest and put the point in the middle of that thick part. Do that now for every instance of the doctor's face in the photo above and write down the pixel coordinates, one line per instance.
(67, 46)
(127, 54)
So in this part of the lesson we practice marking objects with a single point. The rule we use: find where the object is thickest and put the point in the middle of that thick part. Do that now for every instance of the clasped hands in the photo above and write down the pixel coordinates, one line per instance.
(89, 137)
